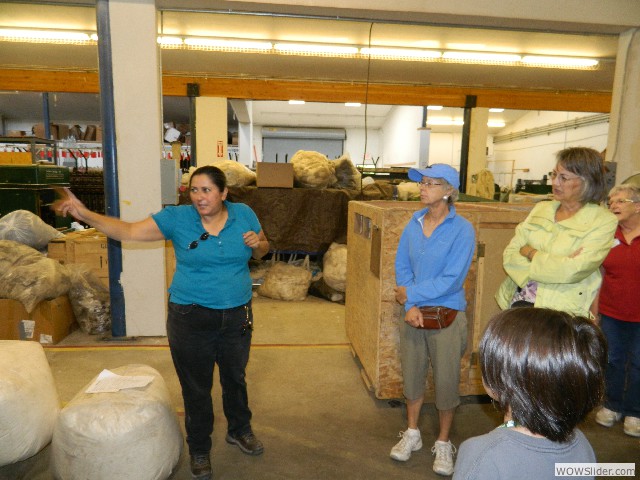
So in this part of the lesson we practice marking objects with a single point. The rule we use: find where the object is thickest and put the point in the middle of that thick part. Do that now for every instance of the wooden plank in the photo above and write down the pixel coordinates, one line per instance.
(258, 89)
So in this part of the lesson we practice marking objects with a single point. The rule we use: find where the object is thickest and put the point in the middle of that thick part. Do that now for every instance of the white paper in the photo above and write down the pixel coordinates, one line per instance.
(108, 381)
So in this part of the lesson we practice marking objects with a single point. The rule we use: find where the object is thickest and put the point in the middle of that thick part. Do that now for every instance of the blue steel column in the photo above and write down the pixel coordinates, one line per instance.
(46, 118)
(112, 197)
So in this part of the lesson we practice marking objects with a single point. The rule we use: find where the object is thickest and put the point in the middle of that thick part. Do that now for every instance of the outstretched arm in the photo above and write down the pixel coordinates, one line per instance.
(145, 230)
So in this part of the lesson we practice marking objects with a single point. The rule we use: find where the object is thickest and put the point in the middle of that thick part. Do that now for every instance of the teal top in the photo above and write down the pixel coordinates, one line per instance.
(216, 273)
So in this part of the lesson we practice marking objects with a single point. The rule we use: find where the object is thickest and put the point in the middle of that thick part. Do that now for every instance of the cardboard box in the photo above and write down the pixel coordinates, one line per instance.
(278, 175)
(84, 246)
(49, 323)
(38, 131)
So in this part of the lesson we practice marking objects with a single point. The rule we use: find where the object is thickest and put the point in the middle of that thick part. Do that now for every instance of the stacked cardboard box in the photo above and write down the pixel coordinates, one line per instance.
(50, 322)
(84, 246)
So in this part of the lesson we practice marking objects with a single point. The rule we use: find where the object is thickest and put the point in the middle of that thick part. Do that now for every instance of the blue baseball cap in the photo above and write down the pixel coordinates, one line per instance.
(437, 170)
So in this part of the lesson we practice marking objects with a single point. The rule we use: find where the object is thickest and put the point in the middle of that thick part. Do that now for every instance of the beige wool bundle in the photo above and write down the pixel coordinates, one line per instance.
(334, 269)
(312, 170)
(238, 175)
(284, 281)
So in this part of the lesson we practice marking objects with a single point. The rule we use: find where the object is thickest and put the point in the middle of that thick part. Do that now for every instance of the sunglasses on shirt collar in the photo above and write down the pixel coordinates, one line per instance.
(202, 238)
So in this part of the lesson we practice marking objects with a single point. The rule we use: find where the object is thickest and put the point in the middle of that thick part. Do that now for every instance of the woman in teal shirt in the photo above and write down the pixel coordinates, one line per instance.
(554, 258)
(210, 317)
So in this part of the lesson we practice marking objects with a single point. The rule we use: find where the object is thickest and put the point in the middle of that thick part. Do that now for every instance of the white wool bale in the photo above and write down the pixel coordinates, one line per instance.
(334, 268)
(29, 403)
(408, 191)
(129, 434)
(238, 175)
(284, 281)
(312, 170)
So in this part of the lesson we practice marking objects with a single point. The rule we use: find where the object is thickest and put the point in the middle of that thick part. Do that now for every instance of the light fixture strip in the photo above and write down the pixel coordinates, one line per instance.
(315, 49)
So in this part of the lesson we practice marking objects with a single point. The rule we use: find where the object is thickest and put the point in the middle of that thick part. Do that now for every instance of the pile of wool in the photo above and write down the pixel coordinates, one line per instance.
(285, 281)
(89, 300)
(312, 170)
(29, 403)
(334, 267)
(28, 276)
(408, 191)
(27, 228)
(348, 176)
(238, 175)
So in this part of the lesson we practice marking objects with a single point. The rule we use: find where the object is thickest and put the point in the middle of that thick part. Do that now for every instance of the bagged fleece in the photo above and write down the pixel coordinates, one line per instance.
(29, 403)
(129, 434)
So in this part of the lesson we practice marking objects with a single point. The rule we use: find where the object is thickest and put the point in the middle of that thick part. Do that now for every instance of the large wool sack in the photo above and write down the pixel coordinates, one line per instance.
(29, 403)
(129, 434)
(27, 228)
(408, 191)
(90, 300)
(348, 176)
(334, 267)
(312, 170)
(286, 282)
(238, 175)
(28, 276)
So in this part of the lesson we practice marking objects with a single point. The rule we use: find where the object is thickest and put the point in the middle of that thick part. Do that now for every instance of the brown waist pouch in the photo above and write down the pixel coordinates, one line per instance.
(436, 318)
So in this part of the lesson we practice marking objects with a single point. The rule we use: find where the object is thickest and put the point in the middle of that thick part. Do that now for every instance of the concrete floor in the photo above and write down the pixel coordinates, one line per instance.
(311, 408)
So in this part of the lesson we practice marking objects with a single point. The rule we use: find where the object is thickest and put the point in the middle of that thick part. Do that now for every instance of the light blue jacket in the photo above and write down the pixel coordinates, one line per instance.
(434, 269)
(565, 282)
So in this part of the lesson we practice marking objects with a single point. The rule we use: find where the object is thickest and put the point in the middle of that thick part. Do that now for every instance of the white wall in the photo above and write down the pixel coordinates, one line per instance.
(400, 137)
(537, 153)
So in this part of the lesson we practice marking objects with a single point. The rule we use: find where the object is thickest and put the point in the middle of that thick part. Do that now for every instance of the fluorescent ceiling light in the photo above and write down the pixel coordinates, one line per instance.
(59, 35)
(224, 43)
(315, 48)
(168, 40)
(352, 104)
(559, 61)
(495, 124)
(434, 107)
(496, 110)
(481, 56)
(296, 102)
(385, 52)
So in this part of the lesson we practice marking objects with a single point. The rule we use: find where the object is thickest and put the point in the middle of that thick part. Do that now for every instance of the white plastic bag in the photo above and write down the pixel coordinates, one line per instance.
(29, 403)
(27, 228)
(130, 434)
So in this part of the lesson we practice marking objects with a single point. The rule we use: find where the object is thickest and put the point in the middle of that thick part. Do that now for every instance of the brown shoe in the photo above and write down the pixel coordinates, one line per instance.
(247, 442)
(201, 467)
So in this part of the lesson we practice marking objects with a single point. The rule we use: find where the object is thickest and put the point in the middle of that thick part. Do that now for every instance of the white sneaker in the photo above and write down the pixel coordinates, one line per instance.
(607, 418)
(632, 426)
(410, 441)
(444, 451)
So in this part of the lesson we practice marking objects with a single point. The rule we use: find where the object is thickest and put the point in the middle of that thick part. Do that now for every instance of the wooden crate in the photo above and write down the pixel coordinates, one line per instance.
(372, 315)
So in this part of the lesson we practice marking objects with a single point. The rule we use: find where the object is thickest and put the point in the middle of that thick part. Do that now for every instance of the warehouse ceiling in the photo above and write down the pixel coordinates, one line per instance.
(591, 32)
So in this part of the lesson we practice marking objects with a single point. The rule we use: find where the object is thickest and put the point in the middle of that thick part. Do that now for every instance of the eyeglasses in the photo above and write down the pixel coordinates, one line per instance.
(194, 244)
(428, 184)
(620, 201)
(562, 177)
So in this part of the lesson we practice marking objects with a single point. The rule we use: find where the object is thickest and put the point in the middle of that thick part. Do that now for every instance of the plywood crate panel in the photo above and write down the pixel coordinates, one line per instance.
(372, 314)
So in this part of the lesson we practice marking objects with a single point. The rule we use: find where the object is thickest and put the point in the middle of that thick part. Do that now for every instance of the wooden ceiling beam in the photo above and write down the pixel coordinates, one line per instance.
(382, 94)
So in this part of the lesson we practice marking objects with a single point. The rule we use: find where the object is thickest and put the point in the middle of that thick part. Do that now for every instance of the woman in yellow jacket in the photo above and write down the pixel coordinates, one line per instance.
(554, 258)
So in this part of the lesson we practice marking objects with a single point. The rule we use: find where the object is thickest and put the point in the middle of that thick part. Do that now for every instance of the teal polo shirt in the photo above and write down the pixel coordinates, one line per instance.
(216, 273)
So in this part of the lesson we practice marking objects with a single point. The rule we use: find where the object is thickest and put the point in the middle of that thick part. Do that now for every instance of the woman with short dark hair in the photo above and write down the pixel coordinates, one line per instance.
(554, 258)
(545, 370)
(209, 318)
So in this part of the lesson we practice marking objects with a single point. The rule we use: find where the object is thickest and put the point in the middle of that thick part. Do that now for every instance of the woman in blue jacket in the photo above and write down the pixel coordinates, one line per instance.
(554, 258)
(433, 258)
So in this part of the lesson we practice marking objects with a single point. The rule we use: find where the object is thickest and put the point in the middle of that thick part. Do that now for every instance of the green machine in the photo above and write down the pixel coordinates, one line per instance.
(31, 187)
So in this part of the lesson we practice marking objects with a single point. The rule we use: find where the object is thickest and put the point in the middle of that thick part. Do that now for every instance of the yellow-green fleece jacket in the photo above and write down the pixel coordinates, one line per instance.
(566, 281)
